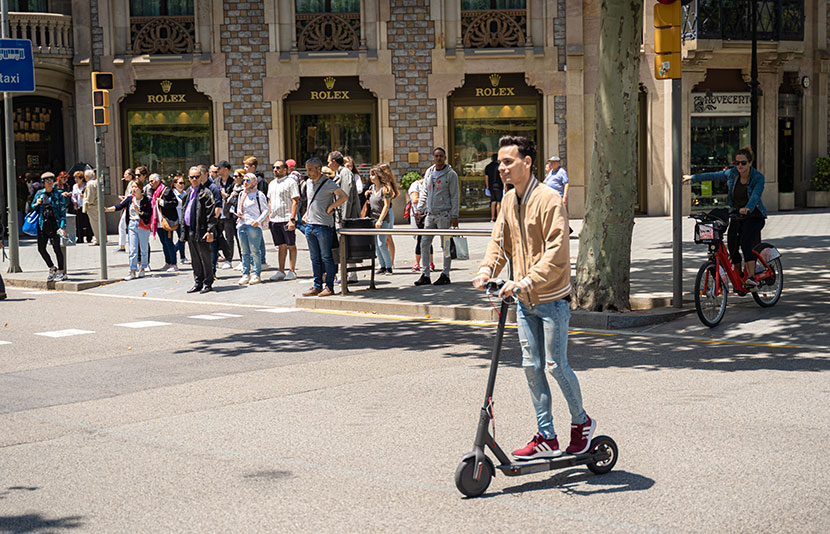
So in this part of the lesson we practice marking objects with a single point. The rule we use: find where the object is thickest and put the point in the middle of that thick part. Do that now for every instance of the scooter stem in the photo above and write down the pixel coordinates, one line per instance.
(494, 358)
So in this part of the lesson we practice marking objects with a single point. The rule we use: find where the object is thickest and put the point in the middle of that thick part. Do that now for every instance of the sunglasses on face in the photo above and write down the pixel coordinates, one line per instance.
(741, 162)
(196, 177)
(279, 166)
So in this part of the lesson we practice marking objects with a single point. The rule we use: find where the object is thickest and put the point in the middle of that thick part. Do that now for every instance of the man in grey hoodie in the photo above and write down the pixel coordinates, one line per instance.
(439, 203)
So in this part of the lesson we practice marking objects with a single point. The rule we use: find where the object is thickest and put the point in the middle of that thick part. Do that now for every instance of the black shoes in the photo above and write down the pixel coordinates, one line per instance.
(442, 280)
(195, 289)
(423, 281)
(206, 289)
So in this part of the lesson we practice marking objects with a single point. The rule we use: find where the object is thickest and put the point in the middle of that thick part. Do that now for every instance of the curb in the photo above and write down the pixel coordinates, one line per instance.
(579, 318)
(69, 285)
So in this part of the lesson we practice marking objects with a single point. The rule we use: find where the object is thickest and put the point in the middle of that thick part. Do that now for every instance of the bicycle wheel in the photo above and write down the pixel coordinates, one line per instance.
(769, 289)
(709, 302)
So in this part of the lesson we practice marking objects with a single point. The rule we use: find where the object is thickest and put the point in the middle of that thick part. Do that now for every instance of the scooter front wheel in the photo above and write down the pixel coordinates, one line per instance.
(465, 479)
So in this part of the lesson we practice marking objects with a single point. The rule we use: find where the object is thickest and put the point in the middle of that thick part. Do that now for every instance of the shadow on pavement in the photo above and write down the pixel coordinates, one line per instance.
(35, 523)
(582, 482)
(586, 351)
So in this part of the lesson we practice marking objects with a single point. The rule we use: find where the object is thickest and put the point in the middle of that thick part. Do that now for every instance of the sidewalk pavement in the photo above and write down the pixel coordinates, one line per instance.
(802, 237)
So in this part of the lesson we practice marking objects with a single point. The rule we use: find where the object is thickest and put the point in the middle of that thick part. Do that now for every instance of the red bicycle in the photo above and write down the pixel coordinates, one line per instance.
(717, 273)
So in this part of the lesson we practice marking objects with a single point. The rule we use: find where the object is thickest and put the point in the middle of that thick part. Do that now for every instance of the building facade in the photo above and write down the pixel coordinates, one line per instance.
(387, 80)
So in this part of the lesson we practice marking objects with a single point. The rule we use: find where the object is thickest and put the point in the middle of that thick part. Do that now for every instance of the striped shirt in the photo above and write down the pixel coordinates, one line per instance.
(280, 193)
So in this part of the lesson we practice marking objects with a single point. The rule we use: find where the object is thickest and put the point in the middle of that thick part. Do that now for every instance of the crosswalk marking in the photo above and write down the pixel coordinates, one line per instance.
(65, 333)
(143, 324)
(278, 310)
(5, 342)
(227, 314)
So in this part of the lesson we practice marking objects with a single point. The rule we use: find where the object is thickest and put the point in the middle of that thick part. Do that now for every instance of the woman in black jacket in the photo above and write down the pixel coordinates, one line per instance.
(139, 214)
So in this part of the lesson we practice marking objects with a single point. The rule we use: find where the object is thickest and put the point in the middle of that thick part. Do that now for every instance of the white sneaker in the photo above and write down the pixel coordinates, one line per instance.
(254, 280)
(290, 275)
(130, 276)
(173, 269)
(148, 269)
(141, 273)
(244, 280)
(166, 267)
(225, 265)
(238, 267)
(277, 277)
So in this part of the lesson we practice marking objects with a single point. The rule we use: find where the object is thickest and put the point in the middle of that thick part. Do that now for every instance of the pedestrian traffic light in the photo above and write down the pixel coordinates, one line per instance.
(668, 15)
(102, 82)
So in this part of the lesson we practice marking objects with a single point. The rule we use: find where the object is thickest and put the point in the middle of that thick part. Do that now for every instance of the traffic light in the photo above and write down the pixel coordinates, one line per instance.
(668, 17)
(102, 82)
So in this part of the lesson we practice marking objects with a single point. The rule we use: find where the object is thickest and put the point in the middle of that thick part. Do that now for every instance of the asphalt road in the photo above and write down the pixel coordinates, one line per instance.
(253, 419)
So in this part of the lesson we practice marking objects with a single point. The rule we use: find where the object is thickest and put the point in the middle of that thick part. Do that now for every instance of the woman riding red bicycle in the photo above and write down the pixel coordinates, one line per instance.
(745, 186)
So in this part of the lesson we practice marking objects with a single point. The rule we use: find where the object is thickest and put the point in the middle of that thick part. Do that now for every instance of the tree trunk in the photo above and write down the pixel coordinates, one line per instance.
(603, 266)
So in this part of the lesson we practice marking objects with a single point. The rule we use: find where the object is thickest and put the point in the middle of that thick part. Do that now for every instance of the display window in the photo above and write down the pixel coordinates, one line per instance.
(482, 111)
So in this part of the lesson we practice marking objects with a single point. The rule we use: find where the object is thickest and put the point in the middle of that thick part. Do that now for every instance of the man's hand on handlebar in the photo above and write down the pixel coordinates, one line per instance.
(480, 281)
(510, 289)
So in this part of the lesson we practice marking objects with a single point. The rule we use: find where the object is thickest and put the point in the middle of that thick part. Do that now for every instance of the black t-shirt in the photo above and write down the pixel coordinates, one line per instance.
(493, 178)
(740, 198)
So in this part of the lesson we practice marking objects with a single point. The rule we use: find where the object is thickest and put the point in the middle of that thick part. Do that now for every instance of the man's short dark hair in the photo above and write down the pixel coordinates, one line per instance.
(223, 163)
(314, 162)
(525, 145)
(336, 156)
(439, 148)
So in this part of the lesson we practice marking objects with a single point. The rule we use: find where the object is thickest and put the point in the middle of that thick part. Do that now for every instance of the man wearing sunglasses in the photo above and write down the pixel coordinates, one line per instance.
(199, 231)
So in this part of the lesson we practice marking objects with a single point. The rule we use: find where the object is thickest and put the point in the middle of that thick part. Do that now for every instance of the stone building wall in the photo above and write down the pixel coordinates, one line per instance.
(247, 117)
(412, 114)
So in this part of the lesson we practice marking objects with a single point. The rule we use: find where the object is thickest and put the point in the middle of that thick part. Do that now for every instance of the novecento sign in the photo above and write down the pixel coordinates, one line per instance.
(720, 104)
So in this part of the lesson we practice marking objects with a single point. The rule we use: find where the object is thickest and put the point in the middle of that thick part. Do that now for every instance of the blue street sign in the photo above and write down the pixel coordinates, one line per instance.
(17, 66)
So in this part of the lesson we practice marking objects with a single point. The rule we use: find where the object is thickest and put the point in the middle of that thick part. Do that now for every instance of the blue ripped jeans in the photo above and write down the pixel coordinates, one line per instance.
(543, 335)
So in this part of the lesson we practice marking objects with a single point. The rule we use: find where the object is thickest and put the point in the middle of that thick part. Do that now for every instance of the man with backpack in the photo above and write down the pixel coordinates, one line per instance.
(51, 224)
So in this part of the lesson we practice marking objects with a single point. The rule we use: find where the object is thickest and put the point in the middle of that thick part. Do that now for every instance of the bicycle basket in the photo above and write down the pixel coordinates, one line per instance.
(708, 233)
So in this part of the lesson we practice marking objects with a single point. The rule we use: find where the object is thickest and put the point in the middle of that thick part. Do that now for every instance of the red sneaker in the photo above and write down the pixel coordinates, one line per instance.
(539, 447)
(581, 436)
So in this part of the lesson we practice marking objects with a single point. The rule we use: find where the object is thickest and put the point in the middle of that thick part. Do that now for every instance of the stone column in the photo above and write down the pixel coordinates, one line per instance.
(412, 117)
(767, 158)
(247, 116)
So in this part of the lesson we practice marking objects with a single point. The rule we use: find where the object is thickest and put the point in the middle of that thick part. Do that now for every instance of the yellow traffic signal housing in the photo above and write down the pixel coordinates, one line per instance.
(100, 116)
(668, 17)
(102, 80)
(100, 99)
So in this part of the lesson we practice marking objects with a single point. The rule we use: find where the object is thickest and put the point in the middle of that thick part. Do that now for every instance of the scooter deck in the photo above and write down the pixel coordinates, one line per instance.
(547, 464)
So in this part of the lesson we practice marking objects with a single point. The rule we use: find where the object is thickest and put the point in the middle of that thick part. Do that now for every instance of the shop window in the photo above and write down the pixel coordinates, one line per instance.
(714, 143)
(168, 141)
(29, 6)
(476, 133)
(37, 123)
(328, 25)
(494, 23)
(162, 27)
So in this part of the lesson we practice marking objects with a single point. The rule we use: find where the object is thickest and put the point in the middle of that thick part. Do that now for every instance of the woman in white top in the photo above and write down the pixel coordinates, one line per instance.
(251, 213)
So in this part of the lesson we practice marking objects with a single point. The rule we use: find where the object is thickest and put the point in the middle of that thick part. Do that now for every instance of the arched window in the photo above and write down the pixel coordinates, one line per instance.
(327, 25)
(494, 23)
(162, 26)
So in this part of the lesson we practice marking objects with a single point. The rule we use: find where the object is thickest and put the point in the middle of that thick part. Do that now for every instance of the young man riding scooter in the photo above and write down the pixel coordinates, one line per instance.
(532, 231)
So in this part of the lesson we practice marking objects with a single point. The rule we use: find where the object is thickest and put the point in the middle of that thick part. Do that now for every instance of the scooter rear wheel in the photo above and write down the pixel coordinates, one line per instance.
(465, 477)
(603, 444)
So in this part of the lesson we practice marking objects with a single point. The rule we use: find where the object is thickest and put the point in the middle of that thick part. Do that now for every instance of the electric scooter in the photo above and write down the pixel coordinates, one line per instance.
(473, 475)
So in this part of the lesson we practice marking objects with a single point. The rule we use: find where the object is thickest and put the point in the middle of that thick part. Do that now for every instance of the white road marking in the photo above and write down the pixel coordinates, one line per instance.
(226, 314)
(5, 342)
(64, 333)
(206, 317)
(40, 292)
(143, 324)
(279, 310)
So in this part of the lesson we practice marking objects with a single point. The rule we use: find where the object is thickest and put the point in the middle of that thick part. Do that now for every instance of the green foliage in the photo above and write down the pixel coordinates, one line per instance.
(408, 178)
(821, 180)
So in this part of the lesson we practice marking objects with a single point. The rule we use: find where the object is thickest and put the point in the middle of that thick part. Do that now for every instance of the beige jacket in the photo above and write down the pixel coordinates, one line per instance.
(534, 235)
(90, 196)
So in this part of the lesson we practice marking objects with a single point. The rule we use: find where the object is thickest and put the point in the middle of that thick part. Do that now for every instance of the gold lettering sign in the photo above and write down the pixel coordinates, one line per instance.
(329, 95)
(495, 91)
(166, 99)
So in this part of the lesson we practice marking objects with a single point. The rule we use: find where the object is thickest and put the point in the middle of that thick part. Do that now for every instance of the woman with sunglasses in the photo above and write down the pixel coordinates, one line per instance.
(251, 213)
(179, 190)
(127, 177)
(139, 211)
(745, 186)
